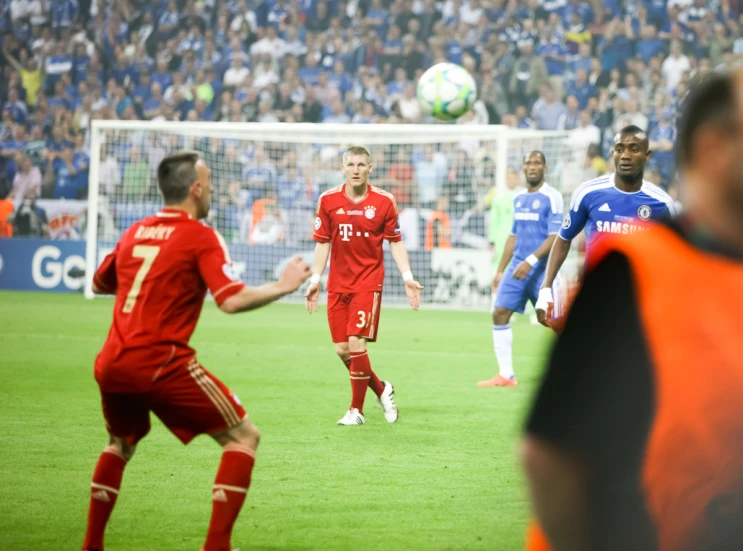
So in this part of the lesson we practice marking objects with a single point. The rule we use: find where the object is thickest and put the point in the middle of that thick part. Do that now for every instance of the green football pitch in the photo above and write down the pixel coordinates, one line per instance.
(445, 476)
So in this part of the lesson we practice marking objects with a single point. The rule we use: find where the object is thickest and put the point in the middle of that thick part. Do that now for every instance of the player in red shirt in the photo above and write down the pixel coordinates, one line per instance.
(356, 217)
(160, 272)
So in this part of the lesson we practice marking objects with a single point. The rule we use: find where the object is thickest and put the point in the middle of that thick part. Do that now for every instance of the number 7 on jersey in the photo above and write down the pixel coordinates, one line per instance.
(148, 253)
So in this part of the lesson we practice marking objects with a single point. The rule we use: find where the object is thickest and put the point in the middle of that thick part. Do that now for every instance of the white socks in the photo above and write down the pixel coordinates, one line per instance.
(503, 344)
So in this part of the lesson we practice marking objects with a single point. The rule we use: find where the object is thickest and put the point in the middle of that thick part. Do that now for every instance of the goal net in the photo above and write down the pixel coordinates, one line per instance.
(267, 178)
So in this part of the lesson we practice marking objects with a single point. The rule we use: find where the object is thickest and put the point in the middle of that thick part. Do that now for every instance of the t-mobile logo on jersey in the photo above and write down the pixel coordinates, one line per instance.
(347, 231)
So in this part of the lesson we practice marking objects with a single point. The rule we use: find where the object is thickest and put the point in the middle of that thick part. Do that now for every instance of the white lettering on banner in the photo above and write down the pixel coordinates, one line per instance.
(51, 273)
(346, 231)
(533, 216)
(618, 227)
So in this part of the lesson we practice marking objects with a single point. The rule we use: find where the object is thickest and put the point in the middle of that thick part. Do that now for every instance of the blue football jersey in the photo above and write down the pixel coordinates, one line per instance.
(599, 207)
(536, 215)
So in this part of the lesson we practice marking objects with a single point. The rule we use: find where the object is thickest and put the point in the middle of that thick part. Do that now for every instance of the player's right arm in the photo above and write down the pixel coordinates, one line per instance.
(575, 221)
(322, 235)
(232, 295)
(104, 280)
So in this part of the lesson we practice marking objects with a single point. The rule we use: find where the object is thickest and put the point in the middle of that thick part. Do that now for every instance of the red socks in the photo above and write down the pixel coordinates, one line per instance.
(360, 373)
(229, 491)
(374, 382)
(228, 494)
(103, 493)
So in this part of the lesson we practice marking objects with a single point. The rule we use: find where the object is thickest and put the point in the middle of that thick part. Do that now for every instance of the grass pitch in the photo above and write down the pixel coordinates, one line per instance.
(444, 477)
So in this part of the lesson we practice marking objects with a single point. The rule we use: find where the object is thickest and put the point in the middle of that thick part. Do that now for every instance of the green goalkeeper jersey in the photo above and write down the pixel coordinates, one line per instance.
(501, 220)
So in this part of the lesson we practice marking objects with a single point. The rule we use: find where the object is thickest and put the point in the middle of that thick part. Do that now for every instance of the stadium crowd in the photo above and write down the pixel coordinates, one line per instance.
(586, 66)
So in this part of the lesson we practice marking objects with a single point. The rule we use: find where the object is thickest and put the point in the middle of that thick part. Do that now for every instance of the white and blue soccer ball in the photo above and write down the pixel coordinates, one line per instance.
(447, 91)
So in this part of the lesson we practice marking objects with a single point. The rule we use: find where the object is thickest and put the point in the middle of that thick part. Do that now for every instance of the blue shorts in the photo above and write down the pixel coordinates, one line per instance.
(513, 293)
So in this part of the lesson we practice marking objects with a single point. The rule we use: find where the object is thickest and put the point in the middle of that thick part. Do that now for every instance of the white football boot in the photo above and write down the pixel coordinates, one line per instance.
(387, 401)
(352, 417)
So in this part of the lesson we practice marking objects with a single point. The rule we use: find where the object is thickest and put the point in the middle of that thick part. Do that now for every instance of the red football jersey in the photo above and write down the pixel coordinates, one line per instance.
(160, 271)
(355, 230)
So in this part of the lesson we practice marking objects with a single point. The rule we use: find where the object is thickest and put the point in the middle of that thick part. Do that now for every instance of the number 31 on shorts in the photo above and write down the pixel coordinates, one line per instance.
(363, 318)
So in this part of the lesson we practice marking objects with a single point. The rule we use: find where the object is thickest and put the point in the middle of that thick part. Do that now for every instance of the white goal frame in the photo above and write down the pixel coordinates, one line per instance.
(340, 135)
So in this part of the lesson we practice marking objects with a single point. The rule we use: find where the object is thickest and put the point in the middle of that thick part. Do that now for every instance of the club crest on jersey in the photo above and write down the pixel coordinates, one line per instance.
(370, 212)
(535, 204)
(318, 223)
(644, 212)
(567, 221)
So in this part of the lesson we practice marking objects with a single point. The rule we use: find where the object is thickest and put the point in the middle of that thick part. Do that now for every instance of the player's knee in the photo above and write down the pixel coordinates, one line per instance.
(341, 348)
(253, 435)
(120, 447)
(356, 344)
(501, 316)
(245, 434)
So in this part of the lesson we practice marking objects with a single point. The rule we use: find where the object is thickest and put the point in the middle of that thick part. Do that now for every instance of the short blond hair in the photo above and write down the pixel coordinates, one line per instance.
(356, 150)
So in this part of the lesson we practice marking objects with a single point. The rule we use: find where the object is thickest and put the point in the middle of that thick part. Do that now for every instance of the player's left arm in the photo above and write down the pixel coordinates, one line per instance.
(232, 295)
(523, 269)
(104, 280)
(400, 256)
(412, 287)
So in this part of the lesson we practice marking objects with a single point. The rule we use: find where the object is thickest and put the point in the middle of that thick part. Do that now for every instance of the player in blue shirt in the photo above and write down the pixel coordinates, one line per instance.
(614, 203)
(537, 216)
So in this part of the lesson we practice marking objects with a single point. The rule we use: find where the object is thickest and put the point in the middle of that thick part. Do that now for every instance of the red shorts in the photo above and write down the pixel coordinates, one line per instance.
(354, 315)
(188, 400)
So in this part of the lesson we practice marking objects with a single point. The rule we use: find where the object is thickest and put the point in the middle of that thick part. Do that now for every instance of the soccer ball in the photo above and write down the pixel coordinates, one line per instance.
(446, 91)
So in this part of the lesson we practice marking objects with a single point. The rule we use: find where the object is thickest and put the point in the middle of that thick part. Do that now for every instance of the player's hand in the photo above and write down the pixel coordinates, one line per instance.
(522, 270)
(311, 297)
(295, 273)
(413, 290)
(496, 281)
(544, 305)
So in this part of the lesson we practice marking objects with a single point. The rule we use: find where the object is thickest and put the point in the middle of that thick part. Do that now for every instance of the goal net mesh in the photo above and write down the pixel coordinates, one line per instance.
(267, 178)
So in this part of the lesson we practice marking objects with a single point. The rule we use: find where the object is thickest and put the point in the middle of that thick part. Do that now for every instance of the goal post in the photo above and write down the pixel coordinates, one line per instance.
(266, 180)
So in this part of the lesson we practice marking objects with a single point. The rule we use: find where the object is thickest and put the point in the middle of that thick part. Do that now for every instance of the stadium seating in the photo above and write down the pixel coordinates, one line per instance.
(587, 66)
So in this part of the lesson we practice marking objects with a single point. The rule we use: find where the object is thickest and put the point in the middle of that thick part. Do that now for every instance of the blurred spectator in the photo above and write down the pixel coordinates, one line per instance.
(430, 174)
(237, 73)
(459, 187)
(410, 109)
(569, 120)
(338, 114)
(662, 143)
(675, 66)
(528, 76)
(438, 227)
(269, 230)
(28, 177)
(136, 175)
(65, 182)
(582, 89)
(29, 219)
(547, 110)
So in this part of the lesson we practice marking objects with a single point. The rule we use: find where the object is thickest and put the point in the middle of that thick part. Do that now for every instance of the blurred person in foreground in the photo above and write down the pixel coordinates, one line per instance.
(628, 445)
